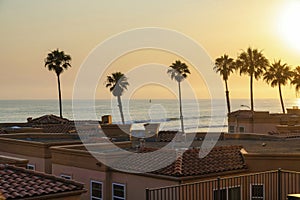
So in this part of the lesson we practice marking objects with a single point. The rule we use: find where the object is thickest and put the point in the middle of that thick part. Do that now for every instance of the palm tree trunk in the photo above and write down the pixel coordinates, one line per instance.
(251, 92)
(180, 108)
(59, 96)
(121, 108)
(227, 97)
(281, 100)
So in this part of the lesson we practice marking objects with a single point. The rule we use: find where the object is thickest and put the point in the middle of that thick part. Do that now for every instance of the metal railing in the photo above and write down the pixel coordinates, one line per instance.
(269, 185)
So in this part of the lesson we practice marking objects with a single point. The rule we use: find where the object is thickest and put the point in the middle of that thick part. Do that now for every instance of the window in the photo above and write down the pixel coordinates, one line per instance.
(119, 191)
(30, 167)
(66, 176)
(257, 192)
(231, 129)
(96, 190)
(222, 194)
(242, 129)
(233, 193)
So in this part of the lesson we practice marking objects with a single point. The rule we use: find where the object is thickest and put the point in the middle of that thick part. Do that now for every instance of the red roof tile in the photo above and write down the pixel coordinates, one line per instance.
(58, 128)
(20, 183)
(188, 163)
(220, 159)
(48, 119)
(166, 136)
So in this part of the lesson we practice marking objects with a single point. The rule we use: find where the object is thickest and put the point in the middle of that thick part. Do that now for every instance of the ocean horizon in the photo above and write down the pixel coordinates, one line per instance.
(199, 115)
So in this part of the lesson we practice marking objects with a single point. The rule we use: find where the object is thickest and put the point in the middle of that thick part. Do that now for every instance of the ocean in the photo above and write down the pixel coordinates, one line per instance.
(199, 115)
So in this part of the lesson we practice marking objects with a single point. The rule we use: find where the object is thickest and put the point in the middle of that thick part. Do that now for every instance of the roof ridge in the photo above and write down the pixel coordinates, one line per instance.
(178, 163)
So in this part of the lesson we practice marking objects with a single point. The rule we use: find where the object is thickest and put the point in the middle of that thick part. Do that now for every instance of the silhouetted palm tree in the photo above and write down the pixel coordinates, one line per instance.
(225, 65)
(296, 79)
(58, 61)
(278, 74)
(179, 71)
(117, 83)
(253, 63)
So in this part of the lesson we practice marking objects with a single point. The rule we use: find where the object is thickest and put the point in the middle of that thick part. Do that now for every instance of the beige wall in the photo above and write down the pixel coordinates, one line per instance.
(265, 162)
(136, 185)
(24, 148)
(263, 128)
(41, 164)
(81, 175)
(263, 122)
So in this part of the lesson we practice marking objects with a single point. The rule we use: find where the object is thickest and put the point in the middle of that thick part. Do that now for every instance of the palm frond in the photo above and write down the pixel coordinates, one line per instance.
(117, 82)
(278, 74)
(57, 61)
(178, 71)
(296, 79)
(225, 66)
(252, 62)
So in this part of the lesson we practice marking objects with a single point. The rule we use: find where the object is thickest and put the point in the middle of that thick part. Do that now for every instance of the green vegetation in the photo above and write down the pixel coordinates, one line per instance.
(58, 61)
(278, 74)
(117, 84)
(252, 63)
(296, 79)
(178, 72)
(225, 66)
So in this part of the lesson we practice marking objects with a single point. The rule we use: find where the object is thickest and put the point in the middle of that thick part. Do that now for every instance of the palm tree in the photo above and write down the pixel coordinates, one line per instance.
(252, 63)
(58, 61)
(225, 65)
(296, 79)
(117, 83)
(179, 71)
(278, 74)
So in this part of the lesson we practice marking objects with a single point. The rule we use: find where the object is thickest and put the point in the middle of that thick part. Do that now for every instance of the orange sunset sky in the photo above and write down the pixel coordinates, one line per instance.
(30, 29)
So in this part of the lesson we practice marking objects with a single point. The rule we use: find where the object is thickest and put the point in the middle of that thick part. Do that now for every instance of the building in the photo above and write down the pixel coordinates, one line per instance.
(125, 178)
(235, 155)
(13, 161)
(263, 122)
(269, 185)
(35, 147)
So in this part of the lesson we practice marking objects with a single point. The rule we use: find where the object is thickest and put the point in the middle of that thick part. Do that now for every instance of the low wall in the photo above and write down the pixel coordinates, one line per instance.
(263, 162)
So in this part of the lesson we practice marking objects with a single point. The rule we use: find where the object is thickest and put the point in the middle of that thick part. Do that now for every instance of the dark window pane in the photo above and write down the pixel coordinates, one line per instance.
(234, 193)
(119, 191)
(257, 192)
(242, 129)
(222, 194)
(96, 190)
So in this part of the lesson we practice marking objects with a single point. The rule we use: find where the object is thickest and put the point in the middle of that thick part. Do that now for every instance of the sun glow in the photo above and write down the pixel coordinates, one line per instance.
(289, 23)
(297, 103)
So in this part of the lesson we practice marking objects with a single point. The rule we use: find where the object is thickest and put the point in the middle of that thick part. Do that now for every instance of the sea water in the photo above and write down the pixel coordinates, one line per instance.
(198, 115)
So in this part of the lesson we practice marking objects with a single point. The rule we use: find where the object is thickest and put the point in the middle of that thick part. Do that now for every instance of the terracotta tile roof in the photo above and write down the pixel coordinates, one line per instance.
(48, 119)
(220, 159)
(70, 127)
(58, 128)
(20, 183)
(2, 197)
(166, 136)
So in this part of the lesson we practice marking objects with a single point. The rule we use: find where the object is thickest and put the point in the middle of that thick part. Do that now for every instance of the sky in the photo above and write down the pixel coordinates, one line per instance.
(31, 29)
